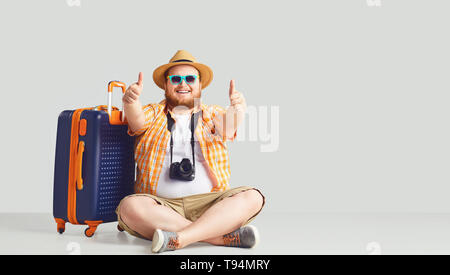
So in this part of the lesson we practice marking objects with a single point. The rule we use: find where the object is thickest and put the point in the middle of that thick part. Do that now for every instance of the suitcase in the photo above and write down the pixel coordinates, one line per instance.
(94, 165)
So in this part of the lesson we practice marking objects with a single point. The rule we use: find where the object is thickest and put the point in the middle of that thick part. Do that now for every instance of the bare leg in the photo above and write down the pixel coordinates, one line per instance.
(144, 215)
(222, 218)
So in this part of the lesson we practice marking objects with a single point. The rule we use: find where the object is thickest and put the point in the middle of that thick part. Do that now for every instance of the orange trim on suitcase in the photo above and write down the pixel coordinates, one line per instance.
(79, 166)
(83, 127)
(72, 195)
(116, 118)
(119, 84)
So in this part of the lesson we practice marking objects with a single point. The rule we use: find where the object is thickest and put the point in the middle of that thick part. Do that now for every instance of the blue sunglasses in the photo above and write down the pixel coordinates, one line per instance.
(177, 79)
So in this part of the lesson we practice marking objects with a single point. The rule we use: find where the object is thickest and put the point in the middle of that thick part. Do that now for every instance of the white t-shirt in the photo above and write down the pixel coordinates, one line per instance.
(203, 181)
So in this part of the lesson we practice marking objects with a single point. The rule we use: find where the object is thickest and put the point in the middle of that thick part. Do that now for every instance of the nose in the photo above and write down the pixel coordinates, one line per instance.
(183, 83)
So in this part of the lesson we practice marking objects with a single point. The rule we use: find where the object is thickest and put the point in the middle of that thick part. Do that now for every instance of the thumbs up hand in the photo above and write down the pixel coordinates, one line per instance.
(132, 107)
(237, 100)
(234, 115)
(133, 92)
(227, 122)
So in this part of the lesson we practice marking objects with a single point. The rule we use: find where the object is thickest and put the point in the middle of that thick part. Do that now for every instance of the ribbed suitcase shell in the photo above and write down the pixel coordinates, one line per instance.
(108, 168)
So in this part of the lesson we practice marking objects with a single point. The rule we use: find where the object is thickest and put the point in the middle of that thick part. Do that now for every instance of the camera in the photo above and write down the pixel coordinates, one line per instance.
(183, 170)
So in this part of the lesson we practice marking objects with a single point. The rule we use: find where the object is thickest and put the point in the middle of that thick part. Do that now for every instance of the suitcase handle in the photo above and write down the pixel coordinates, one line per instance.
(111, 85)
(79, 165)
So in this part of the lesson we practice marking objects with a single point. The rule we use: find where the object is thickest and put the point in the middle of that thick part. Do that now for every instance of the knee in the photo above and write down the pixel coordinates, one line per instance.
(132, 209)
(254, 199)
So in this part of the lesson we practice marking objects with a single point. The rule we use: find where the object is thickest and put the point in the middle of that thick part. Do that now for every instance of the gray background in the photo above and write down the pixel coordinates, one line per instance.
(361, 91)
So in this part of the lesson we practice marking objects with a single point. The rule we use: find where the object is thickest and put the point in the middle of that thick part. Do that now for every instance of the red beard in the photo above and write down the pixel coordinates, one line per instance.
(174, 101)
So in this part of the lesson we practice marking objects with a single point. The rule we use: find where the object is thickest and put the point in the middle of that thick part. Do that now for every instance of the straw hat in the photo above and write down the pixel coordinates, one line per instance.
(183, 57)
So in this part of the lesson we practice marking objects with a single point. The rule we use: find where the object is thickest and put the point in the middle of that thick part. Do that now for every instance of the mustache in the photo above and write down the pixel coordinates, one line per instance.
(173, 100)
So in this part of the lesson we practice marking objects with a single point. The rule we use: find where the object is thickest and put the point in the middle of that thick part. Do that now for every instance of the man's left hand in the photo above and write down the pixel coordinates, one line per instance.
(237, 100)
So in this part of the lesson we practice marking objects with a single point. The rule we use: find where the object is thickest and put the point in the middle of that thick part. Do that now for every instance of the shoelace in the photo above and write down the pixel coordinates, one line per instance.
(232, 239)
(173, 243)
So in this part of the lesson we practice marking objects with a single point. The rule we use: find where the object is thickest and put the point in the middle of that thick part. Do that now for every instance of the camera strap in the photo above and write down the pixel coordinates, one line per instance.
(171, 122)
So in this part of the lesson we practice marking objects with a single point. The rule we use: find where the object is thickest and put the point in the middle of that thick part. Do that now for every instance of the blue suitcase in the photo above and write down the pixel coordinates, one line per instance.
(94, 165)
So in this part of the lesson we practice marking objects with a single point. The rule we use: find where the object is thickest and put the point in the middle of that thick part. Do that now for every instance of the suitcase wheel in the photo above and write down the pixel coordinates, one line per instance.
(89, 232)
(120, 228)
(60, 226)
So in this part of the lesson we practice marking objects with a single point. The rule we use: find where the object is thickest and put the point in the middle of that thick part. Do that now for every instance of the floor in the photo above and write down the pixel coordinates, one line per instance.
(281, 233)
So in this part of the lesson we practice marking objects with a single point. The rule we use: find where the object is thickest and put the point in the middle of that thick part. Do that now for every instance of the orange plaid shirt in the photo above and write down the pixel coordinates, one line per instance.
(151, 144)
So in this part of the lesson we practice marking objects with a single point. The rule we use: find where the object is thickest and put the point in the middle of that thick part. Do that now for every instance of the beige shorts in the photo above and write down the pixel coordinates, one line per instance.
(190, 207)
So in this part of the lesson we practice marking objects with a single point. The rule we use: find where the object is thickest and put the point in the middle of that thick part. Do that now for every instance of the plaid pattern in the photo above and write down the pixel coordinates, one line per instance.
(152, 140)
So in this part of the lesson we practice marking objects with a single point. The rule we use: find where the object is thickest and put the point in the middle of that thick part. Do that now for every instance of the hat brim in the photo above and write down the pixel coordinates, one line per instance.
(206, 74)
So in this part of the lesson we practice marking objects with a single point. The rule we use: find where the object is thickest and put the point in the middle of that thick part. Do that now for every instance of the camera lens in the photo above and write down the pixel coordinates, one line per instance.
(185, 166)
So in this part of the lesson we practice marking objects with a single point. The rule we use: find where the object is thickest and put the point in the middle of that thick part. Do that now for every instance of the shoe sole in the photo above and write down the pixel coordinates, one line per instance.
(255, 233)
(157, 241)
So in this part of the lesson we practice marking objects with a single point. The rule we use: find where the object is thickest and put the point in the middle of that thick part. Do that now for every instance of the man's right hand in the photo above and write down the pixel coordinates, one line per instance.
(132, 107)
(133, 92)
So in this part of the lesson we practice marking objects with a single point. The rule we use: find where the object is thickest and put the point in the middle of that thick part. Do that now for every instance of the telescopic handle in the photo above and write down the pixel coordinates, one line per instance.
(111, 85)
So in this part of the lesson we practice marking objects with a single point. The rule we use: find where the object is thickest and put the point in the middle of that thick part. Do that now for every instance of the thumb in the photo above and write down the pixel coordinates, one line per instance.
(140, 79)
(231, 87)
